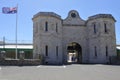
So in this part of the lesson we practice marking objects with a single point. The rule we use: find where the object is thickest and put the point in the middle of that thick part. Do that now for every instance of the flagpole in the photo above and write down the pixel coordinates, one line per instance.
(16, 32)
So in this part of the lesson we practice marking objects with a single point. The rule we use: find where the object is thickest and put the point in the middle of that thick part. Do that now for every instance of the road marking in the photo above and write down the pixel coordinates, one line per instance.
(64, 66)
(40, 66)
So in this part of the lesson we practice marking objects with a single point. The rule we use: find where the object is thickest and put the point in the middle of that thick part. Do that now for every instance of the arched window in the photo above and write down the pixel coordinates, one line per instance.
(57, 51)
(94, 25)
(46, 50)
(36, 27)
(56, 27)
(106, 48)
(105, 27)
(46, 26)
(95, 51)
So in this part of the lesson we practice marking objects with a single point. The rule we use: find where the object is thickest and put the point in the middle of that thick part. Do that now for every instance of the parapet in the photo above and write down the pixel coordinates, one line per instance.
(101, 16)
(52, 14)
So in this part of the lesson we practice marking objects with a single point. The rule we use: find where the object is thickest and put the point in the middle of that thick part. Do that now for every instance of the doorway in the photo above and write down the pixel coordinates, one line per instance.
(74, 53)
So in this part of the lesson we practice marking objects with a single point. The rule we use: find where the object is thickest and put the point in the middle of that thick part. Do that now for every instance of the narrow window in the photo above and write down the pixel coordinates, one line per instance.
(46, 50)
(46, 26)
(105, 26)
(56, 27)
(36, 30)
(106, 51)
(94, 28)
(57, 51)
(95, 51)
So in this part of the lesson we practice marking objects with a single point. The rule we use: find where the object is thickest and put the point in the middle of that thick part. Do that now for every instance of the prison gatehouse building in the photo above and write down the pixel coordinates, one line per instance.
(73, 40)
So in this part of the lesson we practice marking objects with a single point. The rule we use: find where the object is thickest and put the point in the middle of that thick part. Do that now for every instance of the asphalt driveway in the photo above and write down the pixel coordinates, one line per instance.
(69, 72)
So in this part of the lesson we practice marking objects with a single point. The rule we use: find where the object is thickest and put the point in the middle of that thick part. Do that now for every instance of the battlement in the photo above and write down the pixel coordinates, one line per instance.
(101, 16)
(52, 14)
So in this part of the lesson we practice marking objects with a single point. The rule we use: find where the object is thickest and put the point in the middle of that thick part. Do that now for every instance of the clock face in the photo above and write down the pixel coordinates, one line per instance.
(73, 15)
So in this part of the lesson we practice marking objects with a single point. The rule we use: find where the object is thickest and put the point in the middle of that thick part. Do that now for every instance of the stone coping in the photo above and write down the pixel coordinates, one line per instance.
(52, 14)
(101, 16)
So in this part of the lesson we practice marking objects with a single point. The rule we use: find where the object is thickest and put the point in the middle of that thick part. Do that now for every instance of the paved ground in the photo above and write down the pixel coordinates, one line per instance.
(69, 72)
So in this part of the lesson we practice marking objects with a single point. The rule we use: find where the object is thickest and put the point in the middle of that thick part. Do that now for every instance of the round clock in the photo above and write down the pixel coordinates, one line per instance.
(73, 15)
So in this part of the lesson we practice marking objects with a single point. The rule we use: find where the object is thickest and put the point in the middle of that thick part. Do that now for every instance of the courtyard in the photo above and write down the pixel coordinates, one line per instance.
(65, 72)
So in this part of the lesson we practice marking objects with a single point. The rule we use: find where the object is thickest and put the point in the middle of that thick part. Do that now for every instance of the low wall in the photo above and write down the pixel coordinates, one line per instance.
(16, 62)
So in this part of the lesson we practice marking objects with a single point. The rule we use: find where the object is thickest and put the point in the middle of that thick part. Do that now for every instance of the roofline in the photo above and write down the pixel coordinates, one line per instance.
(101, 16)
(51, 14)
(118, 45)
(17, 44)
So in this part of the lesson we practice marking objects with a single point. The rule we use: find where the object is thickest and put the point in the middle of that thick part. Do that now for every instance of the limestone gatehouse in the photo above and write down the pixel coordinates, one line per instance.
(73, 40)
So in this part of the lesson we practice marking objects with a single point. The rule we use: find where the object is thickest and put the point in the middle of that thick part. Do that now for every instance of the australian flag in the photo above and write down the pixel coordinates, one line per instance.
(8, 10)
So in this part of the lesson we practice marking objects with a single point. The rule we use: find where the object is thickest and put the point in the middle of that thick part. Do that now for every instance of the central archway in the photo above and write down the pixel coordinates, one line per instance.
(74, 53)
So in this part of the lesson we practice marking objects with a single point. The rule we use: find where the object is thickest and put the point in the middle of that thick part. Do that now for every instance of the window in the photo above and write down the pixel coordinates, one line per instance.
(57, 51)
(46, 26)
(105, 26)
(106, 51)
(95, 48)
(36, 27)
(56, 27)
(46, 50)
(94, 28)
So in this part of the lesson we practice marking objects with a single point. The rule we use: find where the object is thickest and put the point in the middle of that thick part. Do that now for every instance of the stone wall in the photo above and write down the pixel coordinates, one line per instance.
(99, 38)
(14, 62)
(52, 37)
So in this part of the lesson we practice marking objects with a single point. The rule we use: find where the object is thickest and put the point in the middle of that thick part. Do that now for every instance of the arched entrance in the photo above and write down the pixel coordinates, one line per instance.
(74, 53)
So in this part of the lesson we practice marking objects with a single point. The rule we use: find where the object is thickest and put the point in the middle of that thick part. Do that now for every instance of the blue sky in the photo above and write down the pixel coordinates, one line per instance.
(27, 8)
